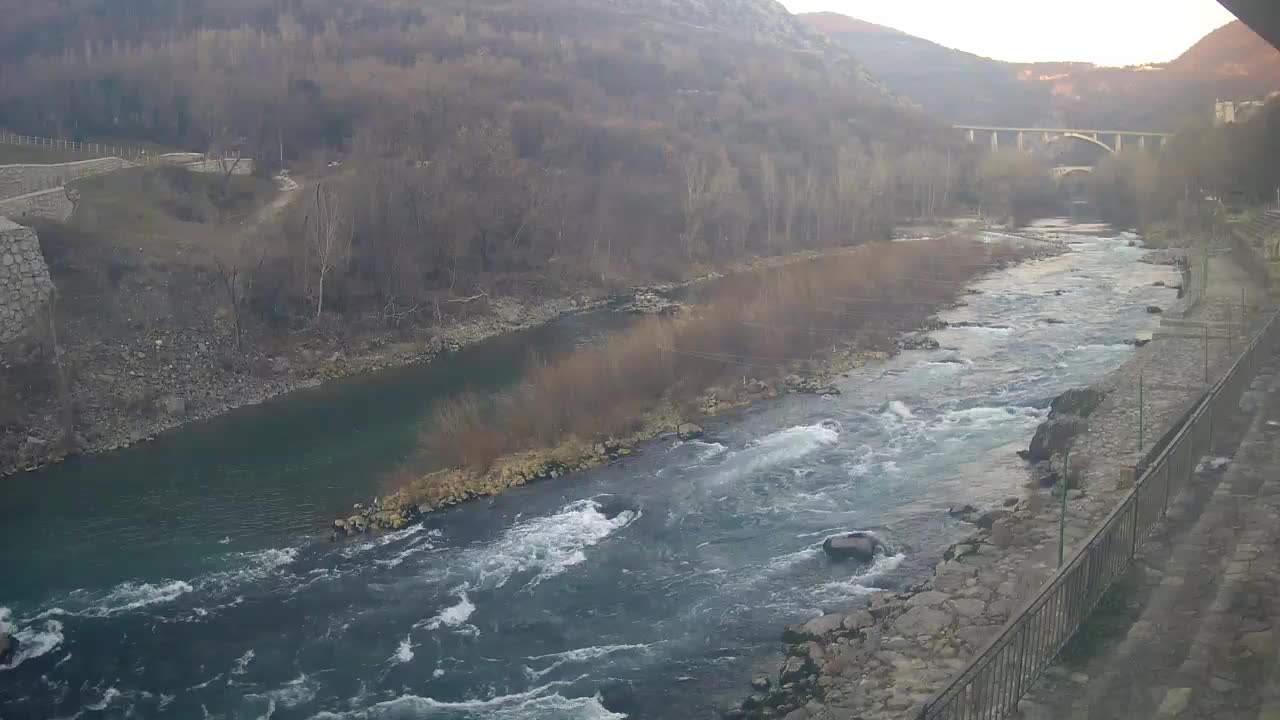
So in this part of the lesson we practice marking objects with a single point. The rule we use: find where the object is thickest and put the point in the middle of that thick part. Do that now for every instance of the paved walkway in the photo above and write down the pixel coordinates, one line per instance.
(1195, 630)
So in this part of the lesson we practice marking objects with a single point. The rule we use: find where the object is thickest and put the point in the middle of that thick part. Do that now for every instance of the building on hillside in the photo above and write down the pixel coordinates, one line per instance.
(1226, 112)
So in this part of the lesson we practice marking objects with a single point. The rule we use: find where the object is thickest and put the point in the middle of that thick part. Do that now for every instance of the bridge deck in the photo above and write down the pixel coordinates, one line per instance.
(1126, 133)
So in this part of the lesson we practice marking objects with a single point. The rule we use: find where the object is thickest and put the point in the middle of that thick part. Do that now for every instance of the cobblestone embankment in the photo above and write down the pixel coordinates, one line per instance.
(887, 660)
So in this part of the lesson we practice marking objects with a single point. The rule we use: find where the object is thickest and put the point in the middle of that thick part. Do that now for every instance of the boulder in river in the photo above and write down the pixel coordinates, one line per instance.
(858, 546)
(917, 342)
(1054, 437)
(1077, 401)
(689, 431)
(1067, 414)
(1155, 309)
(8, 648)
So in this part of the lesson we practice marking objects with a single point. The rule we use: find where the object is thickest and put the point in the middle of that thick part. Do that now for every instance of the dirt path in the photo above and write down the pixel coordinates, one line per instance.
(290, 189)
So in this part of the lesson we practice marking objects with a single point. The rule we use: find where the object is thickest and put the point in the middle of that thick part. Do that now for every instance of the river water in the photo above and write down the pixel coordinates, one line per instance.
(186, 577)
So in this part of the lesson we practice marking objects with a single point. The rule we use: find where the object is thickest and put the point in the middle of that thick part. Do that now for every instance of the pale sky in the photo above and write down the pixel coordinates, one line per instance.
(1106, 32)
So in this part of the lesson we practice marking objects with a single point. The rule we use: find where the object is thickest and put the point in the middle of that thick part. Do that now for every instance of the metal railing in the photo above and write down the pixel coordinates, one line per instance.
(991, 685)
(133, 154)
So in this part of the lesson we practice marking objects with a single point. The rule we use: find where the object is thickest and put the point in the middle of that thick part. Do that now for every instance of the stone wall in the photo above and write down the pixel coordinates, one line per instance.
(56, 204)
(24, 280)
(18, 180)
(241, 166)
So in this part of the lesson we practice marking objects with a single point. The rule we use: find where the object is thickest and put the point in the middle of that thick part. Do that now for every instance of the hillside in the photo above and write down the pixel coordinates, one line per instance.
(464, 163)
(564, 131)
(957, 86)
(1231, 63)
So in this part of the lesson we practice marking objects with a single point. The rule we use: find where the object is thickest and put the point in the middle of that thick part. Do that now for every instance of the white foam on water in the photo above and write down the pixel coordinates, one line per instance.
(537, 703)
(900, 409)
(34, 641)
(783, 562)
(124, 598)
(296, 692)
(595, 652)
(705, 451)
(551, 545)
(107, 698)
(780, 447)
(986, 418)
(384, 539)
(225, 541)
(133, 595)
(242, 662)
(404, 651)
(855, 586)
(452, 616)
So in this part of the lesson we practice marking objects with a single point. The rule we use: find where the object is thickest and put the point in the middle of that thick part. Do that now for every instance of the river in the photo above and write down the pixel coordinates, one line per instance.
(187, 577)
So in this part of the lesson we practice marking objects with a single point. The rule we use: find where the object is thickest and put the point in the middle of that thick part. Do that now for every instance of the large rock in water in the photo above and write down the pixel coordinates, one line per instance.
(689, 431)
(8, 648)
(1080, 402)
(1067, 415)
(1053, 437)
(858, 546)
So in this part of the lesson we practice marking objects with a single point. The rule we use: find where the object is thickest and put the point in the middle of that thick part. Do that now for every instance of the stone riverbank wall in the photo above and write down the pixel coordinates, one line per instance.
(25, 285)
(16, 180)
(55, 204)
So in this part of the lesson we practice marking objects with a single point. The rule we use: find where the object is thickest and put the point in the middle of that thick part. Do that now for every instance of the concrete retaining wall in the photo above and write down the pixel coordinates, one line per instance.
(56, 204)
(18, 180)
(243, 166)
(24, 280)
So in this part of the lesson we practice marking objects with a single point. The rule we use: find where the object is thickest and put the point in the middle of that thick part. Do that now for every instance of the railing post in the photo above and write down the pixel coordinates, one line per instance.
(1133, 544)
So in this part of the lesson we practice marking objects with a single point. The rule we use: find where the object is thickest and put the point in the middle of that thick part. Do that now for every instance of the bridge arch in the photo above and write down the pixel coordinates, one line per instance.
(1087, 138)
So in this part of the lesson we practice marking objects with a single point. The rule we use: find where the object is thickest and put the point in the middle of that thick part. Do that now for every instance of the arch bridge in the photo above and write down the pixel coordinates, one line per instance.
(1023, 138)
(1113, 141)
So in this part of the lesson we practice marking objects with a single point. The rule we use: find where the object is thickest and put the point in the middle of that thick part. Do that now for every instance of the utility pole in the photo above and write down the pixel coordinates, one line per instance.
(1062, 518)
(1141, 413)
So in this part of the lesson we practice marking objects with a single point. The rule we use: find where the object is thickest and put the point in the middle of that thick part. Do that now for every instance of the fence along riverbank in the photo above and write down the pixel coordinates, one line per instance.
(992, 684)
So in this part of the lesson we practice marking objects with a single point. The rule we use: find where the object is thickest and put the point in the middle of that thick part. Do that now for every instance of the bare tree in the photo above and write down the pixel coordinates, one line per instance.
(238, 265)
(769, 193)
(697, 182)
(790, 204)
(327, 239)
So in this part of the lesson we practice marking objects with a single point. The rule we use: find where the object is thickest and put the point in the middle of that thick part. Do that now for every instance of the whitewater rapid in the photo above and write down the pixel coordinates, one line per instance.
(652, 588)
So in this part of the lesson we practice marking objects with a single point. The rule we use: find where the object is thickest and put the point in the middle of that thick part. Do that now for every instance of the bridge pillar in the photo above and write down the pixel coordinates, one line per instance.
(1020, 145)
(995, 140)
(1119, 143)
(1045, 138)
(971, 135)
(1142, 142)
(1162, 141)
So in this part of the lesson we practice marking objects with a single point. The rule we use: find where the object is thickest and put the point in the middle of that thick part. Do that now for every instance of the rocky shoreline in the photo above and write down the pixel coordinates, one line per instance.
(137, 387)
(159, 387)
(449, 487)
(888, 658)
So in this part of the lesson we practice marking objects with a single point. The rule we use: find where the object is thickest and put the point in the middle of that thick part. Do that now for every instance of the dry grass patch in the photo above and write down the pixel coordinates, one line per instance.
(760, 325)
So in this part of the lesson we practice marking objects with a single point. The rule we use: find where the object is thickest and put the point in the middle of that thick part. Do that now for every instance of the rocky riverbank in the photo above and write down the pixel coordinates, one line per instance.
(163, 378)
(165, 373)
(888, 658)
(448, 487)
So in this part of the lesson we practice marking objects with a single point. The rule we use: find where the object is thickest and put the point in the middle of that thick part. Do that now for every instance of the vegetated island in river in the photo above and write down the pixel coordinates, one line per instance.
(764, 333)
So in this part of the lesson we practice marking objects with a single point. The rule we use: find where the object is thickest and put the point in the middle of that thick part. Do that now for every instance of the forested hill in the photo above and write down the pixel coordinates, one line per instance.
(572, 139)
(954, 85)
(1231, 63)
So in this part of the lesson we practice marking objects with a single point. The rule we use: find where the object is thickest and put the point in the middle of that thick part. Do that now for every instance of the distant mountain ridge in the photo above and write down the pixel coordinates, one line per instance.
(1230, 63)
